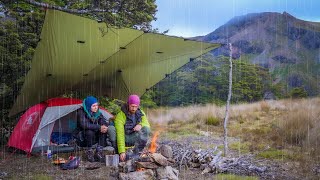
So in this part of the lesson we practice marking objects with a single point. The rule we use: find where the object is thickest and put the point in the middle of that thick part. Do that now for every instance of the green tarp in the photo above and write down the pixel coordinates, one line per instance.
(77, 53)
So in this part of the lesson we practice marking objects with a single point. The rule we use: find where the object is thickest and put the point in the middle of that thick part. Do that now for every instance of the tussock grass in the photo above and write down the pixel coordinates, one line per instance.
(213, 121)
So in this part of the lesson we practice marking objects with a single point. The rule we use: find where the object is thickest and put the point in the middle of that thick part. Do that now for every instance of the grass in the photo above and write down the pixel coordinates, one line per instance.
(275, 154)
(270, 129)
(264, 106)
(240, 147)
(41, 177)
(233, 177)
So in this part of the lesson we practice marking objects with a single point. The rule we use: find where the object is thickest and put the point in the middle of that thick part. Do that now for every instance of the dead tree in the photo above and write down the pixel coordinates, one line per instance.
(225, 135)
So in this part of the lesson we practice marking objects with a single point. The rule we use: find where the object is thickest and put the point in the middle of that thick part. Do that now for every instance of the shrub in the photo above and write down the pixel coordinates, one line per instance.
(213, 121)
(298, 92)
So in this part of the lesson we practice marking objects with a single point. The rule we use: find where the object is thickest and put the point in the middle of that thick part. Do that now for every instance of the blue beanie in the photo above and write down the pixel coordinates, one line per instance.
(89, 101)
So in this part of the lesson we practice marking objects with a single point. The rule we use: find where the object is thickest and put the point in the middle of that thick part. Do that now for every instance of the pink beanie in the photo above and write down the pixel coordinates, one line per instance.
(134, 99)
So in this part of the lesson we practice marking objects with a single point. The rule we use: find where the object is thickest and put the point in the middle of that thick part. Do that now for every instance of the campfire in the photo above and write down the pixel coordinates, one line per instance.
(150, 162)
(153, 145)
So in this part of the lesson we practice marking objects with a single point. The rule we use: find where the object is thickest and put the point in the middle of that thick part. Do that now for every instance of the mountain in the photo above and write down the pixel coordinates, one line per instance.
(288, 47)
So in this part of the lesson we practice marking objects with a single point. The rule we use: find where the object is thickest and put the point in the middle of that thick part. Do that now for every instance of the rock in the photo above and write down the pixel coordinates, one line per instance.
(158, 158)
(92, 165)
(171, 160)
(137, 175)
(166, 151)
(147, 165)
(167, 173)
(127, 166)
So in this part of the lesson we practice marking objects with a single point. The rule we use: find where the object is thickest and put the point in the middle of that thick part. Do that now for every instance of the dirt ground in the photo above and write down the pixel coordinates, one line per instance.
(19, 166)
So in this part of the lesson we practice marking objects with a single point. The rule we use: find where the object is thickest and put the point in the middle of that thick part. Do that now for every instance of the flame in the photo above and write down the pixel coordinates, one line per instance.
(153, 145)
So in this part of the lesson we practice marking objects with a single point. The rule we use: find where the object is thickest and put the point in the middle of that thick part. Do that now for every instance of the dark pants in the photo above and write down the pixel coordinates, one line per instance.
(92, 137)
(138, 139)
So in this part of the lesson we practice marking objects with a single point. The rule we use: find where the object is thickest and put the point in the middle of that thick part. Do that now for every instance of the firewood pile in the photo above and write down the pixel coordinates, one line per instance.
(211, 160)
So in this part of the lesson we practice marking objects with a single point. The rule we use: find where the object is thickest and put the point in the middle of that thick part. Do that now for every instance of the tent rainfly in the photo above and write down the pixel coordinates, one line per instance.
(77, 53)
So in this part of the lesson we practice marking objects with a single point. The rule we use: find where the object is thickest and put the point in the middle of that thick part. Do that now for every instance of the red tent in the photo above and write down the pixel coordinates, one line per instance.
(51, 121)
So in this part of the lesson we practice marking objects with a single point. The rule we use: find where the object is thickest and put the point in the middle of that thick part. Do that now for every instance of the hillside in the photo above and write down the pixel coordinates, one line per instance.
(287, 46)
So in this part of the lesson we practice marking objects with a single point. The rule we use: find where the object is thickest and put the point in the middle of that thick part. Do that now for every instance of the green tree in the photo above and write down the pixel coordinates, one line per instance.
(298, 92)
(205, 80)
(20, 30)
(129, 13)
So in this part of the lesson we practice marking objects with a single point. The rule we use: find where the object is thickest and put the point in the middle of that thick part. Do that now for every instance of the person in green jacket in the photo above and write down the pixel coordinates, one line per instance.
(132, 127)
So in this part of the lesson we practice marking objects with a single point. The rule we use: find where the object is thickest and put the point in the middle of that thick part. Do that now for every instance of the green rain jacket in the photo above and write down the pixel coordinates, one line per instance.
(120, 122)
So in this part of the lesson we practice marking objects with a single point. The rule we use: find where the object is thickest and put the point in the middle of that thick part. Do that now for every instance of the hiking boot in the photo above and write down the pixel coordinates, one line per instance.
(90, 155)
(99, 156)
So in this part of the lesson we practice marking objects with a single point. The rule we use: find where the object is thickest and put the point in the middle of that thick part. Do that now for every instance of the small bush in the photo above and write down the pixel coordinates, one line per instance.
(213, 121)
(298, 92)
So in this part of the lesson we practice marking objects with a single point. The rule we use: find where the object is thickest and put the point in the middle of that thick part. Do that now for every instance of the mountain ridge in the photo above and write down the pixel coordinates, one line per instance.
(289, 47)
